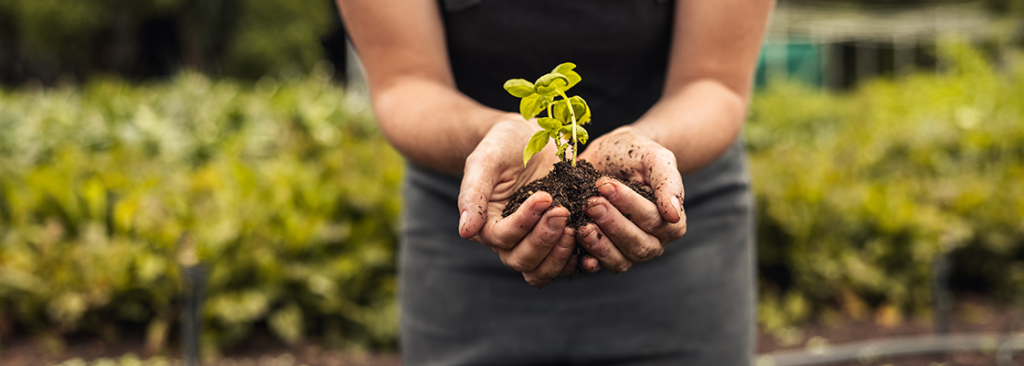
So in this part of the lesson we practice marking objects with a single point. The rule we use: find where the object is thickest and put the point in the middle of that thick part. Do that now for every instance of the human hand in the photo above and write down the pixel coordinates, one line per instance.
(627, 227)
(534, 240)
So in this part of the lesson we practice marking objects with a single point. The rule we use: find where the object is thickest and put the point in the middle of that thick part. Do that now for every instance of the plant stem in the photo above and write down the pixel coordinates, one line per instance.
(572, 114)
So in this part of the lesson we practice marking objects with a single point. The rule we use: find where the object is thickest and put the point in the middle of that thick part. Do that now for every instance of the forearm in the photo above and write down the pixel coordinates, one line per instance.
(697, 122)
(432, 124)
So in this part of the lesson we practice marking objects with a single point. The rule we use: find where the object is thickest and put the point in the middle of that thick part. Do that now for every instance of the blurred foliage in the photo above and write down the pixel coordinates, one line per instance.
(237, 38)
(859, 193)
(133, 360)
(289, 196)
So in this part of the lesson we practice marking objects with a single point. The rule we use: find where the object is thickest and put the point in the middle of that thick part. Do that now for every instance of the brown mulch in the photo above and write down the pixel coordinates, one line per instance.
(970, 316)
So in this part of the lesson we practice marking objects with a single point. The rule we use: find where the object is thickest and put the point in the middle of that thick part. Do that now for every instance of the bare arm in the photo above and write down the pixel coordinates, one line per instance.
(711, 69)
(402, 45)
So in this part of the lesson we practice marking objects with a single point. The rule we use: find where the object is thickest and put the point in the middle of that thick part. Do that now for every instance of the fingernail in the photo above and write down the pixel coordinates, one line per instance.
(557, 222)
(591, 238)
(566, 243)
(607, 190)
(596, 212)
(462, 220)
(541, 206)
(676, 204)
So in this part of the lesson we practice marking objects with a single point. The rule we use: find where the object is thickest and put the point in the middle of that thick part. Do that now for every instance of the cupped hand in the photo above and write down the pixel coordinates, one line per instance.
(534, 240)
(627, 227)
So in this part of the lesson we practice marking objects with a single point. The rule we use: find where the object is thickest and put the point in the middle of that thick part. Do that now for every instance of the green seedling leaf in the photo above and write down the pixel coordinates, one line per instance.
(549, 124)
(550, 84)
(579, 106)
(561, 113)
(561, 151)
(581, 133)
(572, 77)
(520, 88)
(536, 144)
(533, 104)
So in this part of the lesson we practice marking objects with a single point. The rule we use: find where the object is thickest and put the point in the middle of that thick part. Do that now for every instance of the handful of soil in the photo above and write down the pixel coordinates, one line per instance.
(570, 187)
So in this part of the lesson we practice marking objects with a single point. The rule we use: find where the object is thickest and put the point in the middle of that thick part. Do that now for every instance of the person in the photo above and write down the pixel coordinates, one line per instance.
(668, 83)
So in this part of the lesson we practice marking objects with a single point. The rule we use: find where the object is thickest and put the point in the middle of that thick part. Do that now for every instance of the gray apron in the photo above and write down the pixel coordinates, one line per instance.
(694, 305)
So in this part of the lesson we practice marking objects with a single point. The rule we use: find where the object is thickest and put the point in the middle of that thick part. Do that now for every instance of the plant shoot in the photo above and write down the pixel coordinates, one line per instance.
(565, 115)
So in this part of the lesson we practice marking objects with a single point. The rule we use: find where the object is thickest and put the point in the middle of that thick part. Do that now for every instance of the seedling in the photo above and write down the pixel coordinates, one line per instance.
(565, 117)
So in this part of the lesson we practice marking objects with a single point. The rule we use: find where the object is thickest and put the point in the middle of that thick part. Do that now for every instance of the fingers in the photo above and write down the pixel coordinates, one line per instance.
(590, 264)
(631, 204)
(555, 261)
(634, 244)
(601, 248)
(526, 255)
(479, 178)
(668, 185)
(505, 233)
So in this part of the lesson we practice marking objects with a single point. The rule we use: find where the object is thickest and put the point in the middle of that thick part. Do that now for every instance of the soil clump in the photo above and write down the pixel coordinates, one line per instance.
(571, 187)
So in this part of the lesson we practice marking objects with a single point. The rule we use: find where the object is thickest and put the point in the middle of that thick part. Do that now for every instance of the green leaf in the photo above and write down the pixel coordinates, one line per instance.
(519, 87)
(550, 84)
(533, 104)
(536, 144)
(572, 77)
(579, 106)
(581, 133)
(549, 124)
(560, 112)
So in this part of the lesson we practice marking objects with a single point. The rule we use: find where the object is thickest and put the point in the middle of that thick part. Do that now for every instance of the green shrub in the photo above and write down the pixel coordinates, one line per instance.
(859, 193)
(289, 196)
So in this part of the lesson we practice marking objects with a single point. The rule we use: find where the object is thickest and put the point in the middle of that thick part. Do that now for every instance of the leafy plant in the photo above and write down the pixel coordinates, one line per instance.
(561, 124)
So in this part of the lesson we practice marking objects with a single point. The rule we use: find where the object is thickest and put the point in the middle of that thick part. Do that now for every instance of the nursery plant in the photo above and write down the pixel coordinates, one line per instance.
(571, 183)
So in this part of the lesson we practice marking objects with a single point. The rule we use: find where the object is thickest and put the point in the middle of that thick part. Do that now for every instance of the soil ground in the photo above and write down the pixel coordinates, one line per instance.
(969, 316)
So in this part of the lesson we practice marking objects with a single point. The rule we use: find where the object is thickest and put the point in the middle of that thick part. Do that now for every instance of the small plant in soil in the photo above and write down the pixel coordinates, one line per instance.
(570, 183)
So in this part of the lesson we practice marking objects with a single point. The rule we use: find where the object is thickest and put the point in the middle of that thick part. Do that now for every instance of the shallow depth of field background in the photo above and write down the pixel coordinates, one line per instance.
(141, 137)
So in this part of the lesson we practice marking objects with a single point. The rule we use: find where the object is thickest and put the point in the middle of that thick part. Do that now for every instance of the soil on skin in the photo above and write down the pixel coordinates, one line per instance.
(570, 187)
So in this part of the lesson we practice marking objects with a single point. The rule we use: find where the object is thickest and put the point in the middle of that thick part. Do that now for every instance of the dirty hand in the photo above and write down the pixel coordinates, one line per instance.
(534, 240)
(628, 228)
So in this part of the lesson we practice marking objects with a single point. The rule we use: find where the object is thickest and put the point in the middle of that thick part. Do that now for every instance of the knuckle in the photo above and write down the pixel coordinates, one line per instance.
(645, 252)
(667, 155)
(516, 264)
(501, 243)
(475, 157)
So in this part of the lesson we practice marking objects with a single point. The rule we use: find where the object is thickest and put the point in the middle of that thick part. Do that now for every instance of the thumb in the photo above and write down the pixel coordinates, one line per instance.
(478, 182)
(667, 184)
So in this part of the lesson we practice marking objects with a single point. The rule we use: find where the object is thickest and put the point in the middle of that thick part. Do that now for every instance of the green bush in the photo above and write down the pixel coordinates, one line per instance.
(288, 193)
(283, 190)
(859, 193)
(234, 38)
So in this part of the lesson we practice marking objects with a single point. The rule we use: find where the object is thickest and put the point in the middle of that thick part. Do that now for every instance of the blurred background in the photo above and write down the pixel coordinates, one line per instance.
(171, 168)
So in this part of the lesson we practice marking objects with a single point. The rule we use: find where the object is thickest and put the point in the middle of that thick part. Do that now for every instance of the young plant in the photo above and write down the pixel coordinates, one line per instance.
(565, 117)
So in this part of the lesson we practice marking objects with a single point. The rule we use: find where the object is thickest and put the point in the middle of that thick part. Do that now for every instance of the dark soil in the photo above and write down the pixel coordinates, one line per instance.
(570, 187)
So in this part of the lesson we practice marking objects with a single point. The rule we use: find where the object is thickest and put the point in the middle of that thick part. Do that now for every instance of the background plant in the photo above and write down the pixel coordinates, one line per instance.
(292, 196)
(859, 193)
(289, 195)
(561, 123)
